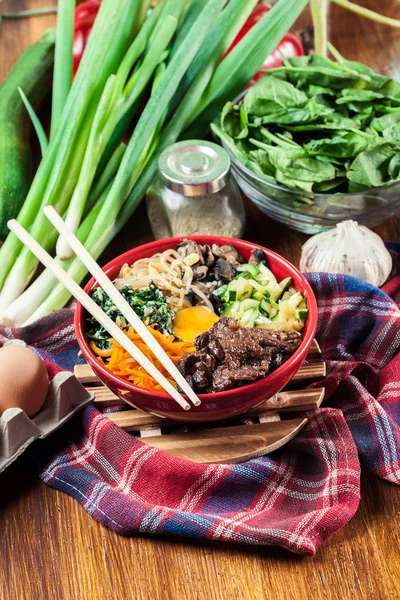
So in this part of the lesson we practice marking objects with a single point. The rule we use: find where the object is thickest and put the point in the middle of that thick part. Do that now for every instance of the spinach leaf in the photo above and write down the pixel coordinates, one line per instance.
(358, 95)
(318, 126)
(149, 304)
(394, 167)
(232, 122)
(370, 168)
(329, 186)
(272, 95)
(346, 145)
(296, 164)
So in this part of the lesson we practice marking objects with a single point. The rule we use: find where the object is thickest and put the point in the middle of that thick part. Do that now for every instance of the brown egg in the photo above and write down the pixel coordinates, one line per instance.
(24, 382)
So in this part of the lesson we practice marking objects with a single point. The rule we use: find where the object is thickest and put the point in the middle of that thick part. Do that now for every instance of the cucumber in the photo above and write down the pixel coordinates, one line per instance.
(252, 269)
(32, 73)
(302, 313)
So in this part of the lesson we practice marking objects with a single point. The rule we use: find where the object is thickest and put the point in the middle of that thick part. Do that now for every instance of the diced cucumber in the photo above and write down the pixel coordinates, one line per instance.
(252, 269)
(242, 287)
(246, 304)
(254, 298)
(259, 287)
(266, 276)
(231, 296)
(284, 284)
(262, 322)
(258, 296)
(303, 303)
(302, 313)
(276, 292)
(220, 291)
(231, 310)
(249, 317)
(295, 300)
(266, 306)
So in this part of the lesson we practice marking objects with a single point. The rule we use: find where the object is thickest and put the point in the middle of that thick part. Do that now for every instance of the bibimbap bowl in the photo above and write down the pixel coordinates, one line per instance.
(214, 406)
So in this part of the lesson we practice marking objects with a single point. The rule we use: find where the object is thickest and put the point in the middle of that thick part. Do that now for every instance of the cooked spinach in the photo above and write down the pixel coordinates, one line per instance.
(318, 125)
(149, 304)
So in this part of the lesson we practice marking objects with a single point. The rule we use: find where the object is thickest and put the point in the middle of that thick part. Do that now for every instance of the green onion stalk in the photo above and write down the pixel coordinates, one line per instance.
(41, 135)
(320, 13)
(118, 98)
(58, 171)
(211, 84)
(63, 60)
(18, 313)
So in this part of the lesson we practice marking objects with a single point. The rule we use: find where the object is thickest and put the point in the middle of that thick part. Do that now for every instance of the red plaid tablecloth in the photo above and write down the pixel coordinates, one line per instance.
(298, 496)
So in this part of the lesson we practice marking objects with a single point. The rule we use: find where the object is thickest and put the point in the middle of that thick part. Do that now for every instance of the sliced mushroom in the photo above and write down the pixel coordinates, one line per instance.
(258, 256)
(223, 270)
(228, 253)
(200, 272)
(190, 249)
(209, 257)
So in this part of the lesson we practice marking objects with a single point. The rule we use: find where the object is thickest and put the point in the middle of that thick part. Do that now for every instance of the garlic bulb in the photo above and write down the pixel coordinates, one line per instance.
(351, 249)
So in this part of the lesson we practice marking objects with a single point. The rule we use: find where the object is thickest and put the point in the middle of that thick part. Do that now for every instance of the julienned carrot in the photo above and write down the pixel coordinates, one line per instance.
(119, 362)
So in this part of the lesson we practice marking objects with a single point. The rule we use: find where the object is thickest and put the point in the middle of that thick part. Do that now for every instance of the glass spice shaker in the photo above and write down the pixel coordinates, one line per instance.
(194, 193)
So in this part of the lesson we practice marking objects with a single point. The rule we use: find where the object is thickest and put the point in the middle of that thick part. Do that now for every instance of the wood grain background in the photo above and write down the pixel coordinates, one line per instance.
(51, 549)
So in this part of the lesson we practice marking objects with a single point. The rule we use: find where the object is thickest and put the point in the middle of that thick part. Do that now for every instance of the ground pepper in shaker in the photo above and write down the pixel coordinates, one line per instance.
(194, 193)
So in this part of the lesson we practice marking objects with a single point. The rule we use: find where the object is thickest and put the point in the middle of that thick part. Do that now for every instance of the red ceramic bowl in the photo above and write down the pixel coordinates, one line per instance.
(213, 406)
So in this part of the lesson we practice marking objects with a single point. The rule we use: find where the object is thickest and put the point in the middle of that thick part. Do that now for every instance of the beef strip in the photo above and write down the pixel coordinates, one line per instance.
(235, 374)
(286, 341)
(229, 356)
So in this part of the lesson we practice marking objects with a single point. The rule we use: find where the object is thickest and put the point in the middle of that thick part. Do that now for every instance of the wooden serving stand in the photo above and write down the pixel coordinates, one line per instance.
(256, 433)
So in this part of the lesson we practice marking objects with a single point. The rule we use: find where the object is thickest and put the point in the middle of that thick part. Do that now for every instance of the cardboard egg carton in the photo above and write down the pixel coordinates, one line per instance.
(66, 396)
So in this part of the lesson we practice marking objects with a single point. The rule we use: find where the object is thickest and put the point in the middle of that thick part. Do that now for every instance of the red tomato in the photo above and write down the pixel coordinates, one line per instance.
(290, 45)
(85, 15)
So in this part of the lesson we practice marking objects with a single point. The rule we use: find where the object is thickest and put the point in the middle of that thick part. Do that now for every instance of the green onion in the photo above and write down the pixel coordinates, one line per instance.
(22, 14)
(44, 144)
(108, 116)
(62, 78)
(58, 171)
(319, 13)
(367, 13)
(19, 313)
(188, 86)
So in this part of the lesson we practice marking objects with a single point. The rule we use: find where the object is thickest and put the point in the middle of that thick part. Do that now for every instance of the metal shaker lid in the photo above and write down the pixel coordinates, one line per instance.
(195, 167)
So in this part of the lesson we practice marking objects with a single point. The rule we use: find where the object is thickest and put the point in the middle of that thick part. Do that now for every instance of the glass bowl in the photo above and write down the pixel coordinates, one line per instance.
(313, 213)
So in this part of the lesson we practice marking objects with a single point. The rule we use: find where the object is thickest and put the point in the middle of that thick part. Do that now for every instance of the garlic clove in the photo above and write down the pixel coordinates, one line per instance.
(351, 249)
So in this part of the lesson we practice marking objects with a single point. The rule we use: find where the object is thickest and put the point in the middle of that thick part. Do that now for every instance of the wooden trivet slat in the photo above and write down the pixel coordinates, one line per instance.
(134, 420)
(228, 444)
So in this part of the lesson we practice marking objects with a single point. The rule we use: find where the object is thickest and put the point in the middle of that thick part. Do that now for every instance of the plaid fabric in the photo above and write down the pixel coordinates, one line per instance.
(297, 497)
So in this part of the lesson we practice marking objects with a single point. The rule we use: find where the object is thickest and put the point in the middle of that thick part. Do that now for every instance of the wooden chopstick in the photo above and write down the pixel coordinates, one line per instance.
(132, 318)
(95, 310)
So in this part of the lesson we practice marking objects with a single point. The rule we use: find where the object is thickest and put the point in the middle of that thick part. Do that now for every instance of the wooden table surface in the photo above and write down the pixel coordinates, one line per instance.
(51, 549)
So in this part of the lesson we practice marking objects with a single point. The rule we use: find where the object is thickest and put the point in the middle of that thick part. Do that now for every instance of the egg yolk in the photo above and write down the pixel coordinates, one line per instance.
(191, 322)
